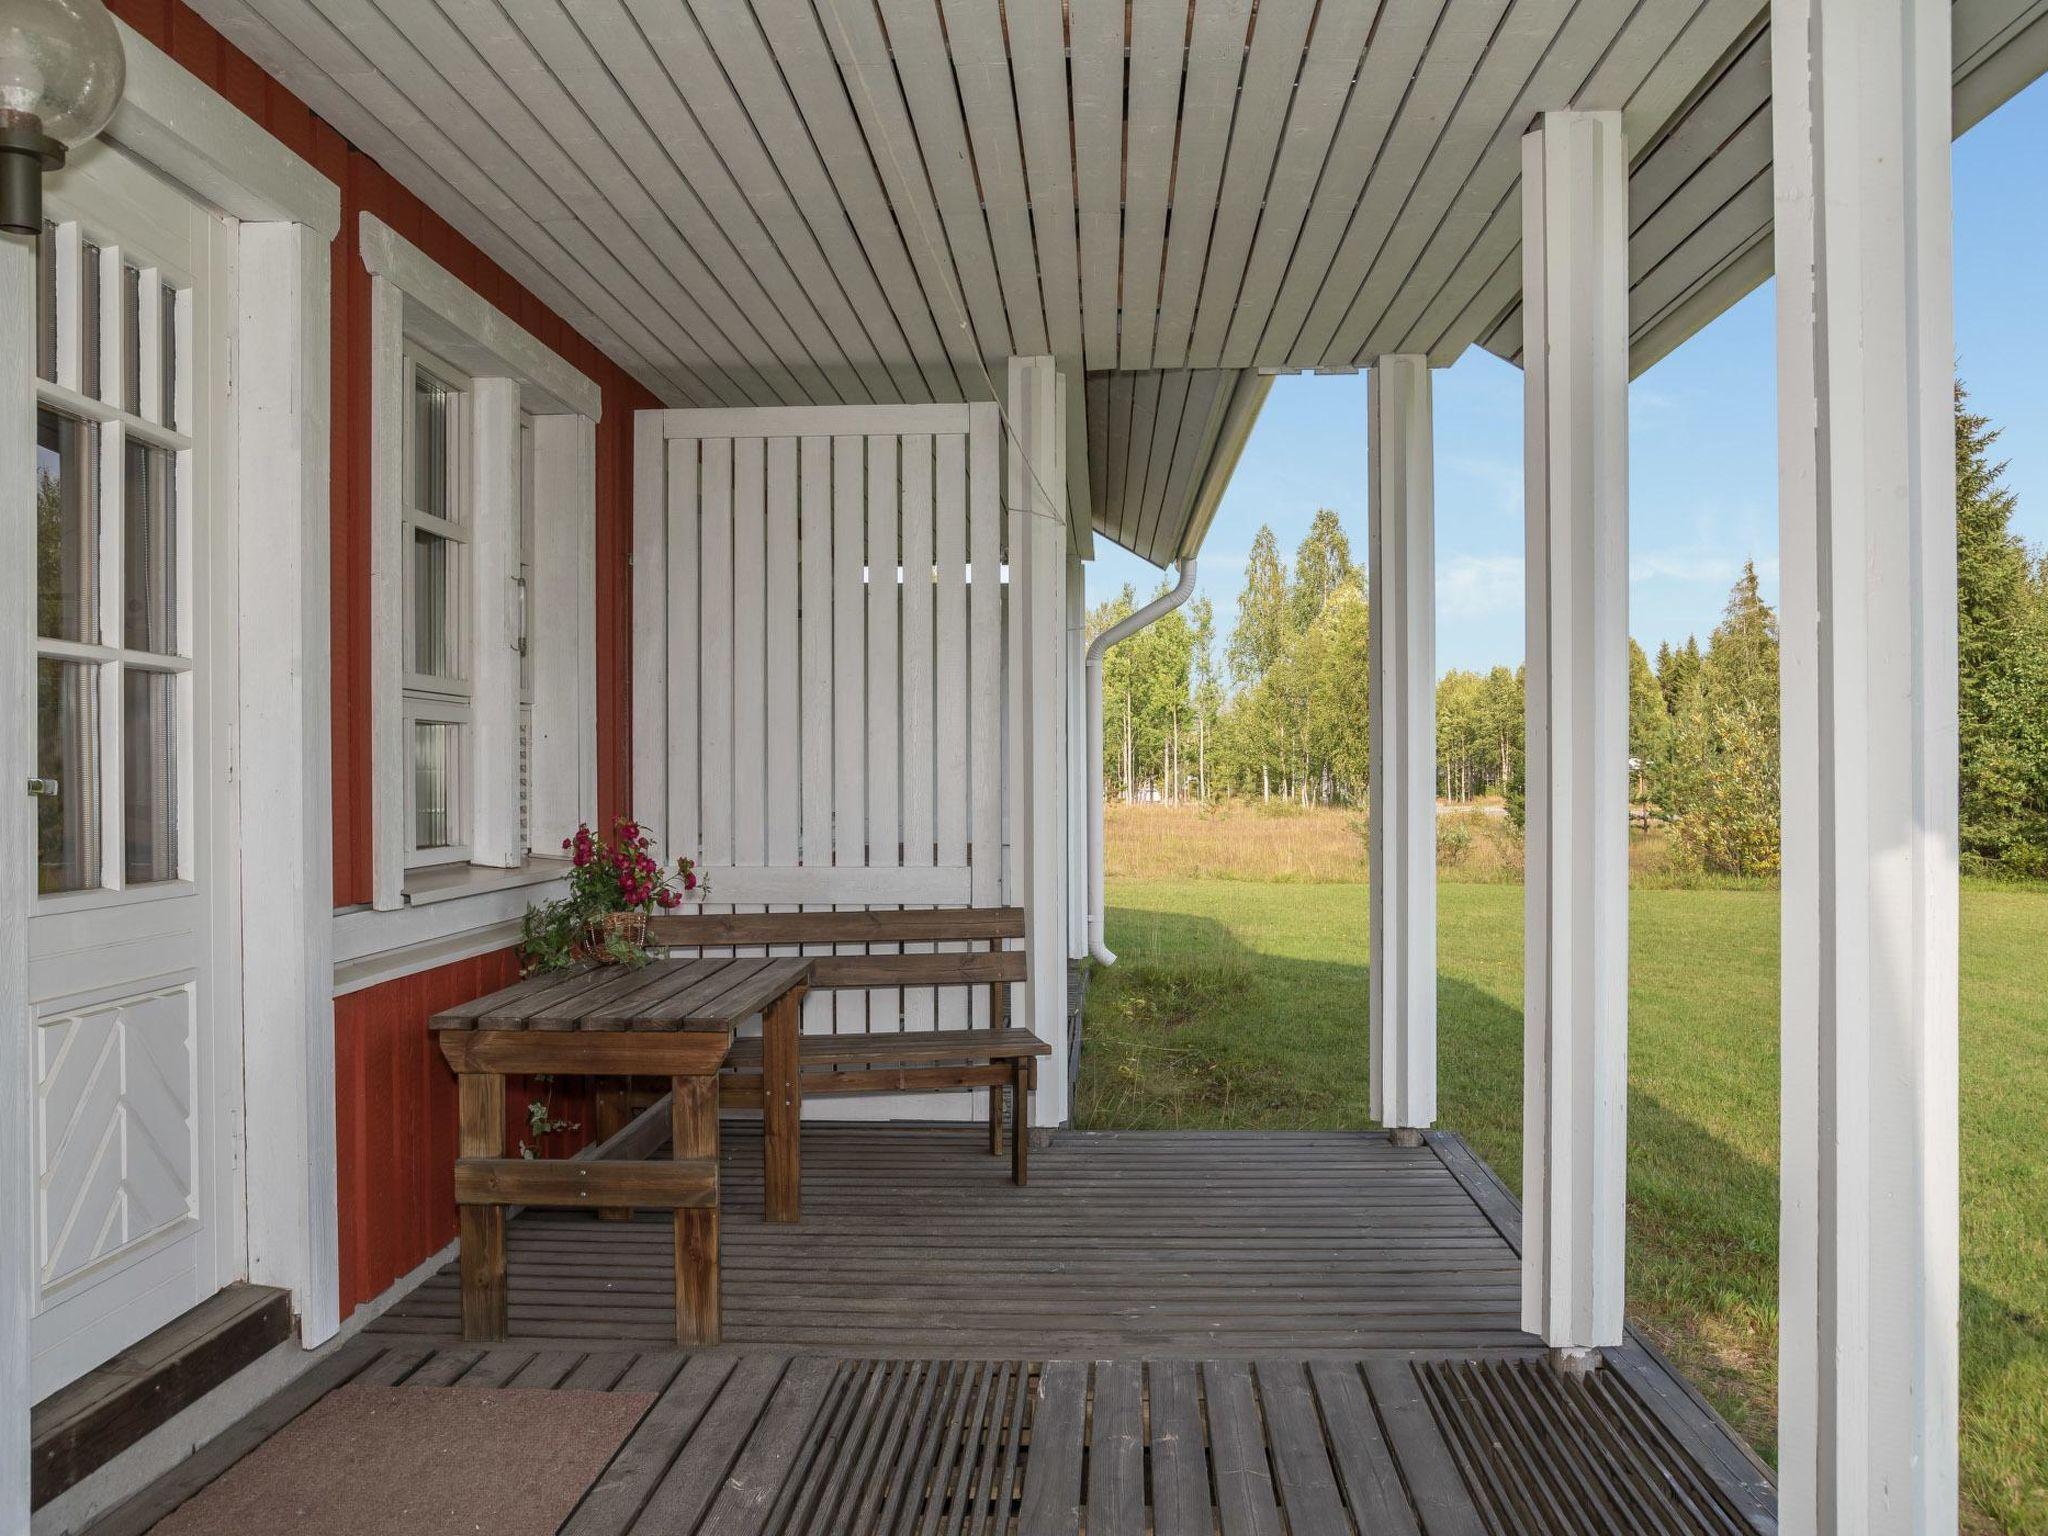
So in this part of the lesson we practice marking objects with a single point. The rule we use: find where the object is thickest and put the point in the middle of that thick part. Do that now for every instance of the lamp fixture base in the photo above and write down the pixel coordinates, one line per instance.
(26, 153)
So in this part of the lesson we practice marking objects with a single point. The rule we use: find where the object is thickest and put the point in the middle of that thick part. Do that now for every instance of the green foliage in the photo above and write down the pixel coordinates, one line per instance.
(2002, 648)
(1717, 781)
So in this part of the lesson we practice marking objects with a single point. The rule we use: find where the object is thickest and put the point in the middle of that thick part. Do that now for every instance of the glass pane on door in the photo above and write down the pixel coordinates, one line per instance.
(149, 511)
(68, 753)
(149, 778)
(67, 528)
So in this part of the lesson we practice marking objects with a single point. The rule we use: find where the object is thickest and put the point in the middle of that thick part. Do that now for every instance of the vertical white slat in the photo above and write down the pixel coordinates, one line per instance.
(917, 770)
(750, 655)
(781, 711)
(849, 682)
(650, 622)
(950, 691)
(885, 686)
(814, 532)
(715, 651)
(683, 811)
(986, 647)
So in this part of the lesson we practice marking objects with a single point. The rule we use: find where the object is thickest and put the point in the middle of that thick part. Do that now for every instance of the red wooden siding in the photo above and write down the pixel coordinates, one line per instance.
(395, 1098)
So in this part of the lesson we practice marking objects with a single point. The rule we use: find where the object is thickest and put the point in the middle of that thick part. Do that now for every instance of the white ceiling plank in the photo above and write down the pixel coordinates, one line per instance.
(1271, 70)
(1096, 65)
(1216, 56)
(1469, 176)
(824, 159)
(1123, 389)
(866, 76)
(1201, 421)
(1096, 386)
(305, 51)
(1453, 57)
(525, 63)
(467, 122)
(915, 57)
(723, 78)
(1146, 409)
(1499, 88)
(1151, 133)
(721, 228)
(1710, 38)
(1289, 266)
(859, 310)
(981, 64)
(1166, 428)
(1038, 67)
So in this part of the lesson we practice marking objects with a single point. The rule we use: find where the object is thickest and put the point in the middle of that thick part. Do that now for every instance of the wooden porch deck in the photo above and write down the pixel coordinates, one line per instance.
(1251, 1335)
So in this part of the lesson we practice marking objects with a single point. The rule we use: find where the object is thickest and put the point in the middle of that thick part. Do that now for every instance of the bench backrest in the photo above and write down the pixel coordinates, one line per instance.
(992, 965)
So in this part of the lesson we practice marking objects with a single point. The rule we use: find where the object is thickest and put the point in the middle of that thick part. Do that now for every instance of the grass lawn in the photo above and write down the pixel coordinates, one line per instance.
(1243, 1004)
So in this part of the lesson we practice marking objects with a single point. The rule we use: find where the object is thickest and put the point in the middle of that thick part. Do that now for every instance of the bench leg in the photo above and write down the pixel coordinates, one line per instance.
(481, 1110)
(995, 1121)
(693, 1125)
(1020, 1120)
(782, 1110)
(614, 1104)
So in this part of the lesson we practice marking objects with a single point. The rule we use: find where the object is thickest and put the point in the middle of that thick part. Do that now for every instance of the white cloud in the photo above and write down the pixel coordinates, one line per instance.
(1478, 586)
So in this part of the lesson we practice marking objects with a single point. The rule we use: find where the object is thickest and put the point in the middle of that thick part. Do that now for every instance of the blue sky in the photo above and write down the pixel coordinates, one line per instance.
(1703, 437)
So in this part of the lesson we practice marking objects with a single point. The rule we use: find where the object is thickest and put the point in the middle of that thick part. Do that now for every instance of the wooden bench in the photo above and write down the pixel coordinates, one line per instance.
(890, 1061)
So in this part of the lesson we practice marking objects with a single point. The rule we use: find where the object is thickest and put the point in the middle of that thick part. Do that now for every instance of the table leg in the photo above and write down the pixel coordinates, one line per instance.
(782, 1109)
(482, 1134)
(693, 1126)
(1024, 1075)
(614, 1103)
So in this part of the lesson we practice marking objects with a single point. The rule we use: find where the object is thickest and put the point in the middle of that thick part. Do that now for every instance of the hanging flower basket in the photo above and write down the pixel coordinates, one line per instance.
(614, 929)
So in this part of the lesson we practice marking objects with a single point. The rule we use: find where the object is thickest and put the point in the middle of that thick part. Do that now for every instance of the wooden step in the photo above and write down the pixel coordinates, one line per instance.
(78, 1429)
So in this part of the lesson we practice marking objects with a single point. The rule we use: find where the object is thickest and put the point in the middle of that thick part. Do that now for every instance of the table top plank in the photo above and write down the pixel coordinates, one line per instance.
(751, 994)
(662, 995)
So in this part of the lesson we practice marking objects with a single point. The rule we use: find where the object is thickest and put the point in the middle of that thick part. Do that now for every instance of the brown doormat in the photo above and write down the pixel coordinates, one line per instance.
(426, 1461)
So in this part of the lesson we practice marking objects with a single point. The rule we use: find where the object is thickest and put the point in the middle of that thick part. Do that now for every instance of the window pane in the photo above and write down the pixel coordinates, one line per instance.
(167, 353)
(89, 325)
(433, 755)
(46, 303)
(431, 402)
(433, 648)
(67, 528)
(68, 751)
(149, 777)
(131, 340)
(150, 549)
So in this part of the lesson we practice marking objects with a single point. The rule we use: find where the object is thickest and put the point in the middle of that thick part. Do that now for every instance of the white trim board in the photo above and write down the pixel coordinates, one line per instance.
(173, 121)
(456, 321)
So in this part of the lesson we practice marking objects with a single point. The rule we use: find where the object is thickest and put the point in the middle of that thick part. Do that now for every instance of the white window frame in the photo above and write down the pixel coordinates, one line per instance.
(433, 698)
(521, 794)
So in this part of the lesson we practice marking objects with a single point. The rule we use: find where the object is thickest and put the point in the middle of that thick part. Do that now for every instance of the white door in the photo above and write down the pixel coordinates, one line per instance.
(135, 1100)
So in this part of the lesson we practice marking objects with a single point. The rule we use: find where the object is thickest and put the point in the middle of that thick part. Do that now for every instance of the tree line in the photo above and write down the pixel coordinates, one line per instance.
(1283, 716)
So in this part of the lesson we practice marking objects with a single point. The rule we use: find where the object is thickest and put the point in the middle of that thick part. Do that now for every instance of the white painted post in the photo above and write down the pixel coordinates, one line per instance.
(388, 757)
(17, 860)
(1078, 804)
(286, 800)
(494, 654)
(1401, 582)
(650, 627)
(1035, 485)
(1575, 992)
(1867, 1393)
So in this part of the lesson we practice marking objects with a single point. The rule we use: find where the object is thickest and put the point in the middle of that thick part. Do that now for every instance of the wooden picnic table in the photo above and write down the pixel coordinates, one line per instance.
(671, 1018)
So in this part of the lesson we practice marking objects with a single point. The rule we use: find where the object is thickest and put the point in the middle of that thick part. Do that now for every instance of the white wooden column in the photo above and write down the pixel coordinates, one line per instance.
(1077, 808)
(286, 804)
(1868, 1227)
(17, 861)
(1035, 493)
(1575, 993)
(1401, 583)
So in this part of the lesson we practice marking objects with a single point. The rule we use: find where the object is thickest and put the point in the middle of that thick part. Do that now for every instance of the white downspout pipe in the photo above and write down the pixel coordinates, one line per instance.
(1158, 608)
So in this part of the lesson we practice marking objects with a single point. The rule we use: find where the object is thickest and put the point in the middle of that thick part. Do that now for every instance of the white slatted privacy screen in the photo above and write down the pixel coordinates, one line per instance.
(820, 658)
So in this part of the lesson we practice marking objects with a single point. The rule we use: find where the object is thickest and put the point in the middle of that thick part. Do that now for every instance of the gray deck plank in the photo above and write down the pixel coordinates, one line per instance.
(1052, 1476)
(1116, 1451)
(1301, 1460)
(1237, 1452)
(613, 1503)
(764, 1465)
(692, 1483)
(1180, 1457)
(1432, 1475)
(1372, 1484)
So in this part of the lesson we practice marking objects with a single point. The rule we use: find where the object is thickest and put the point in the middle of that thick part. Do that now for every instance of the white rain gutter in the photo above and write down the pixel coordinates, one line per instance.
(1157, 609)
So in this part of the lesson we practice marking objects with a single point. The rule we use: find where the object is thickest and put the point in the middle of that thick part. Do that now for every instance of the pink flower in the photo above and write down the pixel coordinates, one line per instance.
(689, 881)
(670, 900)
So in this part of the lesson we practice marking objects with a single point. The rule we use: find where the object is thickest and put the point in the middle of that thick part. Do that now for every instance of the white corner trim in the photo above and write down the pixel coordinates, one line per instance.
(518, 352)
(176, 122)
